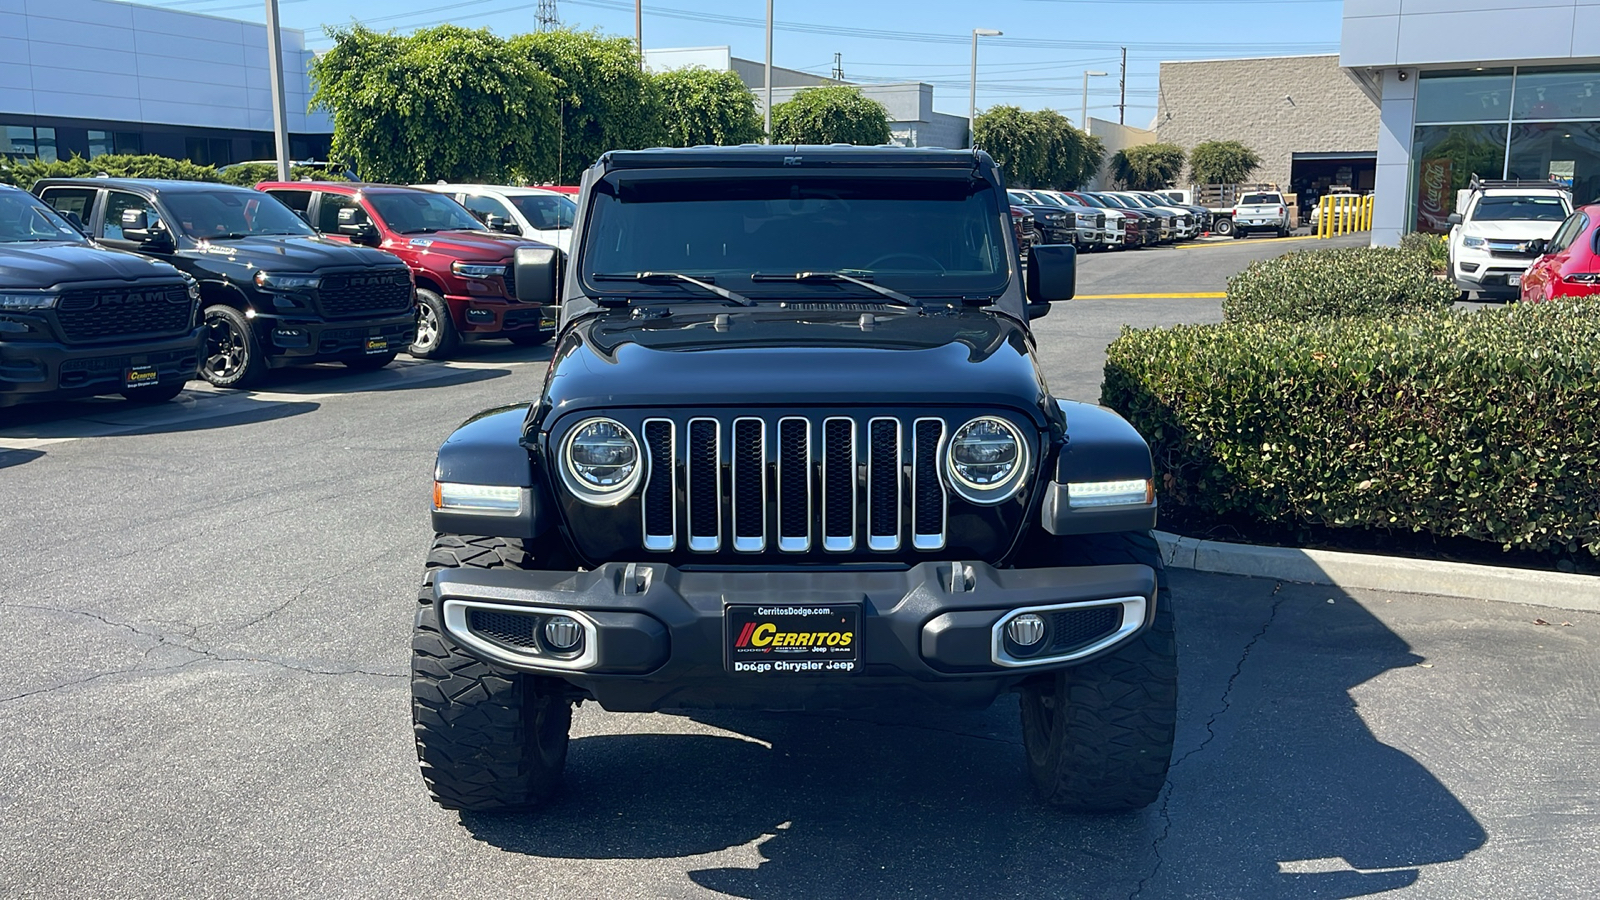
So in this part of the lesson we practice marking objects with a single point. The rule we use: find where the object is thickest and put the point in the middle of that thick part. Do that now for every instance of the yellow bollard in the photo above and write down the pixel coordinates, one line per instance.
(1324, 216)
(1369, 212)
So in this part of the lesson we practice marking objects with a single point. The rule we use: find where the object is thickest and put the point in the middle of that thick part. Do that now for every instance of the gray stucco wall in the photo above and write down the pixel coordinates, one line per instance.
(1277, 106)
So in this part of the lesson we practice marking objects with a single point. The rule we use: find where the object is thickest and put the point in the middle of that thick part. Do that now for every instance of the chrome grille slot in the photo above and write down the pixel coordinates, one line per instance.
(794, 485)
(839, 485)
(929, 501)
(883, 484)
(702, 495)
(749, 485)
(660, 499)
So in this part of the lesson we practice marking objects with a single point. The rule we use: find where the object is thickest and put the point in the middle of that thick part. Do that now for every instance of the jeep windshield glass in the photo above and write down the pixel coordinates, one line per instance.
(23, 218)
(1519, 209)
(924, 237)
(224, 214)
(421, 212)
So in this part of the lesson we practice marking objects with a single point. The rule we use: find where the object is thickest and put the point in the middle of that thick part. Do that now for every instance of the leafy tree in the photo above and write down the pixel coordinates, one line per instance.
(1038, 149)
(247, 174)
(1222, 162)
(1148, 167)
(442, 103)
(603, 98)
(835, 114)
(704, 106)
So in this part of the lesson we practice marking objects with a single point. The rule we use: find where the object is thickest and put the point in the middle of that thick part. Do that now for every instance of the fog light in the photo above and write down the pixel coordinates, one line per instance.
(563, 632)
(1025, 630)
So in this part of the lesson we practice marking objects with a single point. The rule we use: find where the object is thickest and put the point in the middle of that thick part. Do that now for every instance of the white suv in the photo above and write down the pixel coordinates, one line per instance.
(531, 212)
(1491, 239)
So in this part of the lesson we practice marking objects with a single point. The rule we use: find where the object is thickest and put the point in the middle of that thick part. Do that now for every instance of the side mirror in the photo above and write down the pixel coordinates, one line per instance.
(537, 270)
(359, 230)
(1052, 274)
(136, 227)
(1538, 246)
(1453, 219)
(501, 223)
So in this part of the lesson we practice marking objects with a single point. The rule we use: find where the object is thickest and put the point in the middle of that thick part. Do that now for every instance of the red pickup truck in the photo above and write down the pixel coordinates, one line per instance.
(463, 273)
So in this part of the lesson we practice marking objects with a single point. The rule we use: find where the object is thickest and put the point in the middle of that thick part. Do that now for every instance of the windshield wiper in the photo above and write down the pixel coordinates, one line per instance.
(835, 277)
(674, 278)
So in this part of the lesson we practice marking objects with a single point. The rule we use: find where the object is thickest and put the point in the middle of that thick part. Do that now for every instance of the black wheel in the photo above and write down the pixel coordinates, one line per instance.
(436, 332)
(1223, 227)
(1238, 234)
(161, 393)
(488, 737)
(1284, 231)
(369, 363)
(530, 338)
(1099, 736)
(233, 356)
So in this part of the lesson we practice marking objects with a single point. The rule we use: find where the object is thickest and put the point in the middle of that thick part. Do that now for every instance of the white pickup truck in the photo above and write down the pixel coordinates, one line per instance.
(1261, 211)
(1492, 236)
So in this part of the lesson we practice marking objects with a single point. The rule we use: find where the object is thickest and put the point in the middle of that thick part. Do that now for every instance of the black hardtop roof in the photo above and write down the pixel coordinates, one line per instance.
(800, 156)
(145, 185)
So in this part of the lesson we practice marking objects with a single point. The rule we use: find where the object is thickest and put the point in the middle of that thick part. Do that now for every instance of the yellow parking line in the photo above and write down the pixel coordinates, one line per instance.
(1202, 295)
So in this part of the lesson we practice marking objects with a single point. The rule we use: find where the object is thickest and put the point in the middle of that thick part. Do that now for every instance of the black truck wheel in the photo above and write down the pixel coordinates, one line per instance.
(437, 336)
(161, 393)
(233, 355)
(1099, 736)
(488, 738)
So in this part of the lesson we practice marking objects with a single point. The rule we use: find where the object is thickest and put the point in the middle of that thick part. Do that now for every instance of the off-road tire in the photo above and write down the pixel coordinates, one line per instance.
(437, 336)
(232, 357)
(488, 737)
(1098, 736)
(369, 363)
(161, 393)
(530, 338)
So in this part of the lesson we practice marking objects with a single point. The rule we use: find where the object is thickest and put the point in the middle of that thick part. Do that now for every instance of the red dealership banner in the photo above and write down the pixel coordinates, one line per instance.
(1433, 196)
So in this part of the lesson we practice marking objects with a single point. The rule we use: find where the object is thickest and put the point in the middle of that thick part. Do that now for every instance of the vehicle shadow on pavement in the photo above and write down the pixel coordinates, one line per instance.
(9, 458)
(1279, 789)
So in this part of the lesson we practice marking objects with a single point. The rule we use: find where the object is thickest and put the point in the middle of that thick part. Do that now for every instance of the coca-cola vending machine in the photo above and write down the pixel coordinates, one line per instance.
(1433, 196)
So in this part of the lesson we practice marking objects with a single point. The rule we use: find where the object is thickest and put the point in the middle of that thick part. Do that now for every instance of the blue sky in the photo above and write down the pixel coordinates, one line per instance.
(1037, 64)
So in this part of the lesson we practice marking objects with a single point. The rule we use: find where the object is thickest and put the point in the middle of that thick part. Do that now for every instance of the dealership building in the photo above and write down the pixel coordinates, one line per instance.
(90, 77)
(1493, 88)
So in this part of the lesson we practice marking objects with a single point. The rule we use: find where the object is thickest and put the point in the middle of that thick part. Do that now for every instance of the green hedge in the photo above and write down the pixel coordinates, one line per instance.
(1350, 281)
(1434, 248)
(24, 174)
(1480, 425)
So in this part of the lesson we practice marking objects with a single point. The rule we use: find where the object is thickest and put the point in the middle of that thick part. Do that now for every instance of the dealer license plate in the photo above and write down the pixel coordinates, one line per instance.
(140, 376)
(793, 639)
(1514, 280)
(377, 345)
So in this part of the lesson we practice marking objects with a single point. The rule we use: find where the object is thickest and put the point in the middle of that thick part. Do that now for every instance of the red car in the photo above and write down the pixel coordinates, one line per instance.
(463, 274)
(1570, 266)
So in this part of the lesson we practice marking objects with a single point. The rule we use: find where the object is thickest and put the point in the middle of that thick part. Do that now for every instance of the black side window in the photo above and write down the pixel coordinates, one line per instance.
(75, 201)
(116, 203)
(299, 201)
(328, 214)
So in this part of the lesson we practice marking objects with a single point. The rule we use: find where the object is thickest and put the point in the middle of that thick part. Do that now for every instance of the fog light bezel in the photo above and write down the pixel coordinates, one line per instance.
(453, 619)
(1134, 612)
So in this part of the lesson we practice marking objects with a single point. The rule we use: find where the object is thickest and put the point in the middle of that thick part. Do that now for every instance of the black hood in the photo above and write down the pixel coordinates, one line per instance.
(291, 253)
(796, 354)
(48, 264)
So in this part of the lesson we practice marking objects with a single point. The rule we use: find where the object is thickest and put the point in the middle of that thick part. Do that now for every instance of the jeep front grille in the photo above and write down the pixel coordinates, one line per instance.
(793, 484)
(361, 293)
(119, 313)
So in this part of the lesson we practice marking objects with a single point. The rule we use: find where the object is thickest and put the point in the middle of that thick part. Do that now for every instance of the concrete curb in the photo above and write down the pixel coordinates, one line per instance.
(1356, 570)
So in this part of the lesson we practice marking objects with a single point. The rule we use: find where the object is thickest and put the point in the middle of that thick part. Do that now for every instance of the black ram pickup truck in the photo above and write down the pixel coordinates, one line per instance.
(273, 292)
(78, 320)
(794, 452)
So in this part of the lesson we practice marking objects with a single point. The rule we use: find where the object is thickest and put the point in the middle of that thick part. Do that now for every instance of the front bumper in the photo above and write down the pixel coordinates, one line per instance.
(1489, 274)
(493, 316)
(35, 370)
(290, 340)
(656, 636)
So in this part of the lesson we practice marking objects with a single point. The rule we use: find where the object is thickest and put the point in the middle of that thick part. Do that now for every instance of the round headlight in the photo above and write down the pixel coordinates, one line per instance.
(986, 460)
(601, 461)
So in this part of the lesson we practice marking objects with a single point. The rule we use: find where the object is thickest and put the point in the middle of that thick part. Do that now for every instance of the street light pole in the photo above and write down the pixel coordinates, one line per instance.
(280, 117)
(1084, 122)
(768, 111)
(638, 29)
(972, 96)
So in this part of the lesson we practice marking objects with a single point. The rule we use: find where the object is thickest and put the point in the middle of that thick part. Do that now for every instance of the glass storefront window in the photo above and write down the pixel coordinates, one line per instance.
(1547, 93)
(104, 142)
(1567, 153)
(1466, 95)
(1444, 159)
(28, 142)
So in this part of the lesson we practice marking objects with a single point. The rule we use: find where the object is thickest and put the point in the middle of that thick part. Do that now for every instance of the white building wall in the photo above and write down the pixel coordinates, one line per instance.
(96, 59)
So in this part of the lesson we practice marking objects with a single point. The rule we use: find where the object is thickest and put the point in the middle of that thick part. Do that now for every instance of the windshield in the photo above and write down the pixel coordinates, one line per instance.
(1052, 199)
(23, 218)
(1519, 209)
(1261, 200)
(420, 212)
(928, 236)
(1093, 201)
(546, 212)
(1119, 200)
(225, 213)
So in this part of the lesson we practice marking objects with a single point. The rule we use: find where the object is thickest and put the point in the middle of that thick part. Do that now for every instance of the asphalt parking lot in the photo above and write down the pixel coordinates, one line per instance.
(203, 693)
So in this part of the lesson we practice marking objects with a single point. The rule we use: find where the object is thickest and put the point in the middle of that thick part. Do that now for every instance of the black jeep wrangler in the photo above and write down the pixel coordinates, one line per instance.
(794, 452)
(273, 292)
(78, 320)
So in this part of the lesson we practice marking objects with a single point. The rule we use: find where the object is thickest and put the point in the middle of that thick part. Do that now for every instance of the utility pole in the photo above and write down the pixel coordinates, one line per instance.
(1122, 104)
(638, 30)
(838, 66)
(545, 16)
(280, 117)
(972, 96)
(768, 111)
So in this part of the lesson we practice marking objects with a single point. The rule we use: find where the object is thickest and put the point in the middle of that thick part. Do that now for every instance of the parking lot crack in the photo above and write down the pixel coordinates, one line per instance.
(1226, 703)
